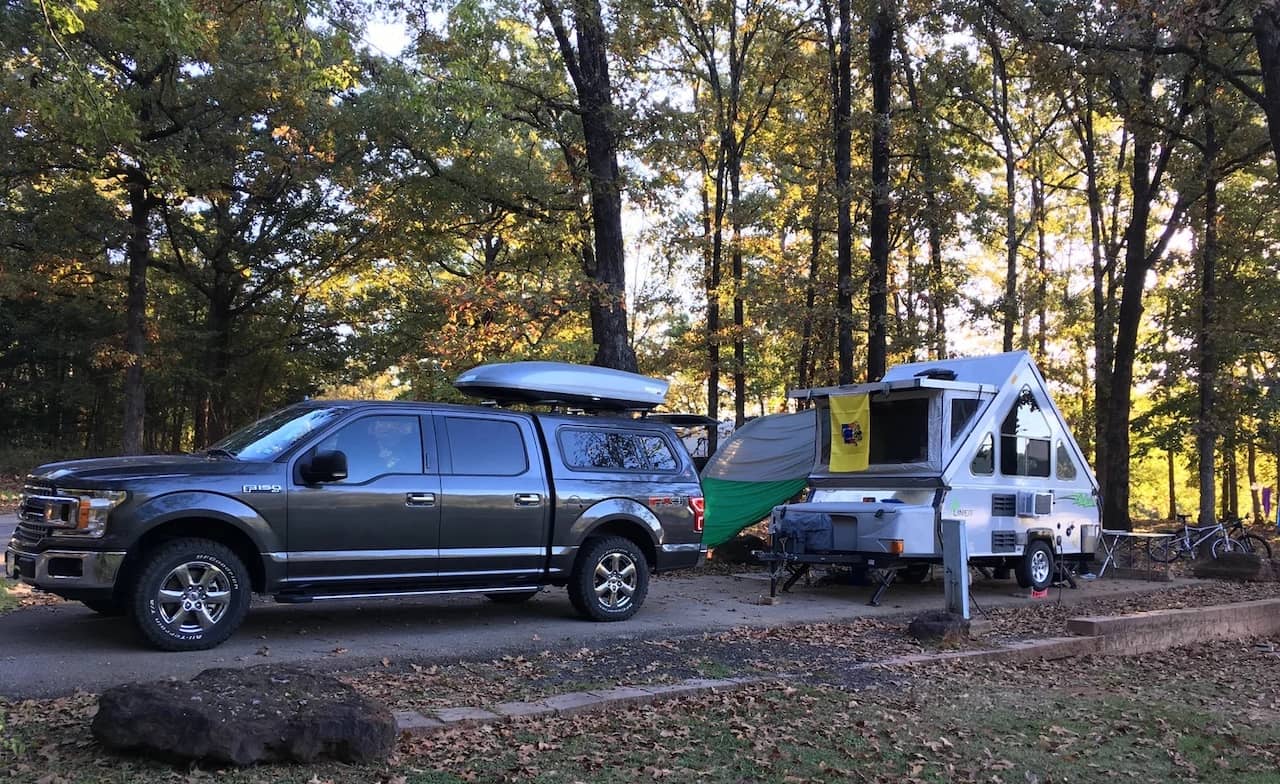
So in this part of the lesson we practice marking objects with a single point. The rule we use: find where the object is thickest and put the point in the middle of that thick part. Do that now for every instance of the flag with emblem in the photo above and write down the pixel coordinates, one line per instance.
(850, 432)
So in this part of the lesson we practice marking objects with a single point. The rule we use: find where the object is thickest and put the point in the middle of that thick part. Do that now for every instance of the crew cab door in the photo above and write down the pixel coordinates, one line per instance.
(382, 522)
(495, 505)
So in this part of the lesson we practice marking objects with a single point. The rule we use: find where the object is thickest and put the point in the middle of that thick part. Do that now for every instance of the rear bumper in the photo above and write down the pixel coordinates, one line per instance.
(680, 556)
(64, 571)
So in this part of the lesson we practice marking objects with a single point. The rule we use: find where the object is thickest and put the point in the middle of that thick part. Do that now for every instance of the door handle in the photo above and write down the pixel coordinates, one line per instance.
(528, 499)
(420, 499)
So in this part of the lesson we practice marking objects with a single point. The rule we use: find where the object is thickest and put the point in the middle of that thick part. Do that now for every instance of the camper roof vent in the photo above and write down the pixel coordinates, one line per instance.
(940, 374)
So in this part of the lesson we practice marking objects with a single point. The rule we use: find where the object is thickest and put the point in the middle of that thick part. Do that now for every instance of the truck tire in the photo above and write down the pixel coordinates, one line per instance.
(1035, 570)
(610, 580)
(191, 595)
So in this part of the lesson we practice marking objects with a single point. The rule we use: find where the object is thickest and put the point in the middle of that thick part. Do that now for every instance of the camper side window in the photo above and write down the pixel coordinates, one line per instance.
(984, 461)
(962, 410)
(1025, 438)
(1066, 466)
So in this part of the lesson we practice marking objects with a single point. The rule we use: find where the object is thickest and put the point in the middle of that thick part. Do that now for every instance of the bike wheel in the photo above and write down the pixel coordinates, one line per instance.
(1225, 545)
(1256, 545)
(1165, 550)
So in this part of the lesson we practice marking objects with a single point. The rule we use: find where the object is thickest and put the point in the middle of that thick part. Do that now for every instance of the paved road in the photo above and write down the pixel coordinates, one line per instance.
(47, 651)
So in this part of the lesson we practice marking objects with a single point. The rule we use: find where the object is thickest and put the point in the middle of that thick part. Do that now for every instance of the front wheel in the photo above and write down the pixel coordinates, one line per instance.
(610, 581)
(1035, 571)
(192, 594)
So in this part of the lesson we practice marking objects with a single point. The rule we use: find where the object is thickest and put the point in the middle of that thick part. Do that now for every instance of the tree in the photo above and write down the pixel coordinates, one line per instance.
(588, 67)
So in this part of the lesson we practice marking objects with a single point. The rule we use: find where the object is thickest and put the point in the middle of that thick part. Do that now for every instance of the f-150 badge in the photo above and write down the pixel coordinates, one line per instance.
(263, 489)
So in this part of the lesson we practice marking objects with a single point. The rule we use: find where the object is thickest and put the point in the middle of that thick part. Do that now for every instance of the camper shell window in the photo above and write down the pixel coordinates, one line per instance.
(962, 411)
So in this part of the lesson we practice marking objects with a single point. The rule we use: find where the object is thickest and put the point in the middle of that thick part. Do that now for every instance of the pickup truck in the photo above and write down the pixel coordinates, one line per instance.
(337, 500)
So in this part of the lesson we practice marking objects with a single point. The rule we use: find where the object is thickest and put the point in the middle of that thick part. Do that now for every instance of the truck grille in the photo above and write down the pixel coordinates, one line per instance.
(41, 511)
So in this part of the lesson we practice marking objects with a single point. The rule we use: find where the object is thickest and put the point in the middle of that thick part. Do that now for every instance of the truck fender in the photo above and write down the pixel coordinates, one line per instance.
(188, 504)
(612, 509)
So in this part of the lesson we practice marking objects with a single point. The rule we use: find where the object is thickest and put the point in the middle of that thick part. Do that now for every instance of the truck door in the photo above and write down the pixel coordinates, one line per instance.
(495, 509)
(381, 523)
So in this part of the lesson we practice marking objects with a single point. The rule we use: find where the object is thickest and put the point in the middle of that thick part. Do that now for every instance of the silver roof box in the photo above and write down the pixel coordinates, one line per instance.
(562, 383)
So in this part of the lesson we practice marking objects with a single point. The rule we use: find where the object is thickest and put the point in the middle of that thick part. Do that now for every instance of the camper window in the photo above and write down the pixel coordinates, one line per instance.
(1066, 466)
(984, 461)
(962, 410)
(900, 430)
(1025, 438)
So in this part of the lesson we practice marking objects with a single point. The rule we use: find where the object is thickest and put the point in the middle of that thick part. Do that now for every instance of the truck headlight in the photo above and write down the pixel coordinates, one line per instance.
(92, 510)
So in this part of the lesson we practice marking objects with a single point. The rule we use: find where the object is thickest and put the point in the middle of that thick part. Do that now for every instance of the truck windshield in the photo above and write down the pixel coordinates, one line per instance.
(270, 437)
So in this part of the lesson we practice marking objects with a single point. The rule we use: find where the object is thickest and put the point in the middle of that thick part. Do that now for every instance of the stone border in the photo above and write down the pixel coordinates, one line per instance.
(1121, 634)
(414, 723)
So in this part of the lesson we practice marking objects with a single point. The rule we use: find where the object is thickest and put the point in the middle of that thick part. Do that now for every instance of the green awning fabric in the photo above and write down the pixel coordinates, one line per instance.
(732, 506)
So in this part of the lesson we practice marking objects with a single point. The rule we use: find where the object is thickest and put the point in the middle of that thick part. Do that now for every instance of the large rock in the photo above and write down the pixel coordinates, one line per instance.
(1245, 567)
(260, 714)
(939, 626)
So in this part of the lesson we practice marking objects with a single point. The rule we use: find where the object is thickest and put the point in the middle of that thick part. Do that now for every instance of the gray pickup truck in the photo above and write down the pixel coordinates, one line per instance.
(334, 500)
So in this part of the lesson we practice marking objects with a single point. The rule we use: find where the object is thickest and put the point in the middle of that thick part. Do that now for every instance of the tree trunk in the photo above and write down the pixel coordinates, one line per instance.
(1000, 103)
(880, 50)
(810, 293)
(739, 315)
(135, 340)
(589, 69)
(844, 225)
(713, 224)
(1266, 35)
(1042, 266)
(1206, 426)
(1255, 499)
(1173, 492)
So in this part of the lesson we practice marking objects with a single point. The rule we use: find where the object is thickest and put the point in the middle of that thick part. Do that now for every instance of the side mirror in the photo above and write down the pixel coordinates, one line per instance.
(328, 466)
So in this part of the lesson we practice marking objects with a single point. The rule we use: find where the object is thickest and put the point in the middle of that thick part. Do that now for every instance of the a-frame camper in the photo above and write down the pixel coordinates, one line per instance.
(975, 439)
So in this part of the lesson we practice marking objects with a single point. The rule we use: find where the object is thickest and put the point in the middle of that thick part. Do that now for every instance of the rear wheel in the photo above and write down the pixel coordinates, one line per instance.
(1256, 545)
(610, 580)
(191, 594)
(1035, 570)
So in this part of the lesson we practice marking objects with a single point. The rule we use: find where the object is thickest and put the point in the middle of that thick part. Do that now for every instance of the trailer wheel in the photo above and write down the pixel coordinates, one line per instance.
(1035, 570)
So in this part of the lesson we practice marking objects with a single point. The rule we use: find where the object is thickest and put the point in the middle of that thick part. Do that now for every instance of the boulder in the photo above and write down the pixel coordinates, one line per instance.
(259, 714)
(1245, 567)
(939, 626)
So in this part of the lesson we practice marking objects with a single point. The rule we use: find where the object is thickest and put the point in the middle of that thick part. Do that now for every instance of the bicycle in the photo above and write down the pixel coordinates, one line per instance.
(1252, 543)
(1187, 543)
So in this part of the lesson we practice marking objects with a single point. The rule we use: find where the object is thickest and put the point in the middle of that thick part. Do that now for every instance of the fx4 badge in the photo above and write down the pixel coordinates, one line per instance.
(263, 489)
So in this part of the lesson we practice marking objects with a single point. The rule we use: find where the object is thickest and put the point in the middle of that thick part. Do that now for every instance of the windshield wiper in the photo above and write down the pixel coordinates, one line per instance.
(220, 453)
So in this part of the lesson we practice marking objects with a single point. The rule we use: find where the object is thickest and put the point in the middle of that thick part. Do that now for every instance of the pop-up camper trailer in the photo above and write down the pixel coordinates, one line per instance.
(977, 439)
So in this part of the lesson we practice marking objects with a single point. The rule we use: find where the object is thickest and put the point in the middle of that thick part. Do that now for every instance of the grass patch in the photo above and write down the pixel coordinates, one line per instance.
(1204, 714)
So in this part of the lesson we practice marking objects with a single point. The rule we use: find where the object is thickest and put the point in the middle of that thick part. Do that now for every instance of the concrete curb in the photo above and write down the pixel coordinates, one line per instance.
(1159, 629)
(1116, 635)
(416, 724)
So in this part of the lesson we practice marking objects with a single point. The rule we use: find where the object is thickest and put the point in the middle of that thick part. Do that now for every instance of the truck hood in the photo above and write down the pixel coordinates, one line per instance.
(142, 467)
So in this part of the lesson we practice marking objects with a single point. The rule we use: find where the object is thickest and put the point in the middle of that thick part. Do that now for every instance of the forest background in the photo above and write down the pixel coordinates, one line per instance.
(212, 208)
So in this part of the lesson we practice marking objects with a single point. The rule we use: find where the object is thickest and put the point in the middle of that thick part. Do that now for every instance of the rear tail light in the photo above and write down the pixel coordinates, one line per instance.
(697, 505)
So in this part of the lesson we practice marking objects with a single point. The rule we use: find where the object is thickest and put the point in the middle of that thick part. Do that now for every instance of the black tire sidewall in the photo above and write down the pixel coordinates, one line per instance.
(157, 567)
(582, 587)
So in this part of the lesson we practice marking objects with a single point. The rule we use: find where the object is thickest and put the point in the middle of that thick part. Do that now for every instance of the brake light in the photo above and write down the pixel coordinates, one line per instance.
(697, 505)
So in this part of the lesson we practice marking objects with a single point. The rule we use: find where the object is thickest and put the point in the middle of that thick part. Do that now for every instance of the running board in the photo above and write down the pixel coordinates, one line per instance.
(304, 598)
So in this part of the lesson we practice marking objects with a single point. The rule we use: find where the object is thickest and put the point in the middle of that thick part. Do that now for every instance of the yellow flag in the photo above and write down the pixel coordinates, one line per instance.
(850, 432)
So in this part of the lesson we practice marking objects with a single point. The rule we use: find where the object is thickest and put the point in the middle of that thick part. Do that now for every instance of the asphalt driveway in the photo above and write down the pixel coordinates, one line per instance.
(47, 651)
